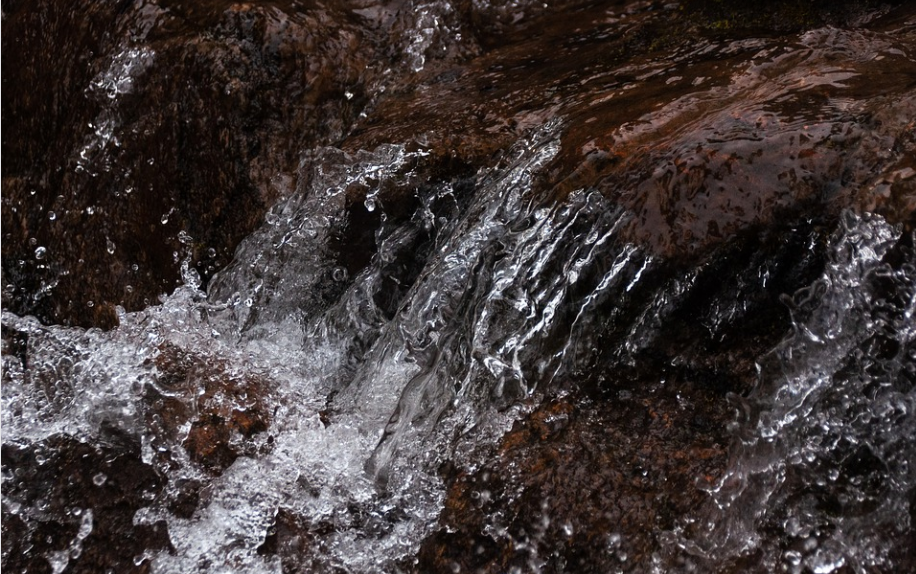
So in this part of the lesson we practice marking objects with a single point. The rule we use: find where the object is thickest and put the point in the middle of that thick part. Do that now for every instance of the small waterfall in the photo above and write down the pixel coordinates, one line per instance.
(373, 380)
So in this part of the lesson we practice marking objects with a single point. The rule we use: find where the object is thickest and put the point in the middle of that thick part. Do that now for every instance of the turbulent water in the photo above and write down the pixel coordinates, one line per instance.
(352, 385)
(498, 308)
(821, 473)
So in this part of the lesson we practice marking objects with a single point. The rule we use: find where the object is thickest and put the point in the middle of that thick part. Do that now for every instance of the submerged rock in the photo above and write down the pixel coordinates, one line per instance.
(212, 413)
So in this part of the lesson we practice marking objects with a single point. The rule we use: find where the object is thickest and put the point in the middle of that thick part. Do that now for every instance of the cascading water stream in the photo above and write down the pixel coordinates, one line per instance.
(821, 468)
(563, 272)
(496, 311)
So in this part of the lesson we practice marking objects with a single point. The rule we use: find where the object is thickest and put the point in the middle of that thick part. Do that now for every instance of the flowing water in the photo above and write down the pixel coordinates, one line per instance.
(349, 386)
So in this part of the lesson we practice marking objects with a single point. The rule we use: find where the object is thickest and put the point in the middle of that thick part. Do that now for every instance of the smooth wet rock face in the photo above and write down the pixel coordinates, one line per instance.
(459, 287)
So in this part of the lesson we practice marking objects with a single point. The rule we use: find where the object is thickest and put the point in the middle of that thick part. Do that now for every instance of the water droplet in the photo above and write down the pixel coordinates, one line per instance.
(129, 288)
(90, 304)
(370, 204)
(165, 218)
(109, 246)
(339, 274)
(40, 253)
(99, 479)
(52, 216)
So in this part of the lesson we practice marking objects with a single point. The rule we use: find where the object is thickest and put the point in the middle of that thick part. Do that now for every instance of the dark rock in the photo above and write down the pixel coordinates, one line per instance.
(163, 133)
(297, 544)
(583, 486)
(73, 503)
(734, 136)
(224, 411)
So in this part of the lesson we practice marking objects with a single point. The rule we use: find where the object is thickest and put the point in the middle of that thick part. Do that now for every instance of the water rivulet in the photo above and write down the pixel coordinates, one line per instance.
(595, 287)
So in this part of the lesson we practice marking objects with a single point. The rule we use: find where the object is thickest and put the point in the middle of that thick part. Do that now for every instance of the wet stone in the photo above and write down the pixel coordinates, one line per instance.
(224, 412)
(582, 486)
(56, 512)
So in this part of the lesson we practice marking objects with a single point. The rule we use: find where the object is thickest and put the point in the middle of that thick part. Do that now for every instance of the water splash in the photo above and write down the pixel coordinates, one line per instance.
(820, 472)
(391, 370)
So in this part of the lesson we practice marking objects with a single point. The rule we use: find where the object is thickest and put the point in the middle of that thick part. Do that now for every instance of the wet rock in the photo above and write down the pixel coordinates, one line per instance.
(297, 544)
(583, 486)
(213, 414)
(713, 136)
(70, 505)
(163, 134)
(732, 140)
(742, 17)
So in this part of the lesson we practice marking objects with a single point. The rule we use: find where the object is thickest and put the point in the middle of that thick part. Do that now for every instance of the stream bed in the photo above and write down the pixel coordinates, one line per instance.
(356, 287)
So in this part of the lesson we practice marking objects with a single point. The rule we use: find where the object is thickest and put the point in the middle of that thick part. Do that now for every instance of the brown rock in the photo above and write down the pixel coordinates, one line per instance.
(583, 486)
(162, 133)
(74, 503)
(225, 411)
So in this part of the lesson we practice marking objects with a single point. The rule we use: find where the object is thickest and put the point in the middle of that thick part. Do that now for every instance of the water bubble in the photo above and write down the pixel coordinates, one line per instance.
(40, 253)
(370, 204)
(99, 479)
(339, 274)
(825, 562)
